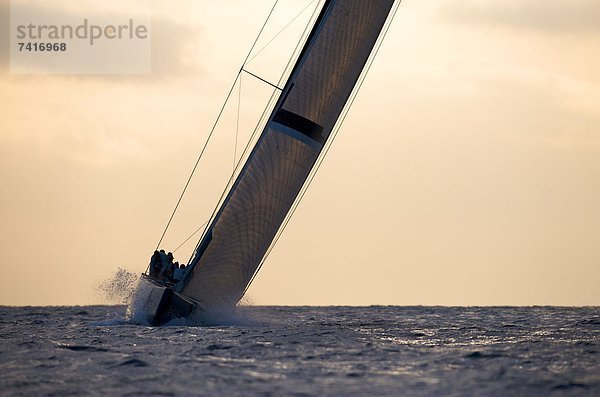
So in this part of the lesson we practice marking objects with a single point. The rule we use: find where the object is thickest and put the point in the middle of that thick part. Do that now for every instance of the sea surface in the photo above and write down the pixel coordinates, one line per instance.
(297, 351)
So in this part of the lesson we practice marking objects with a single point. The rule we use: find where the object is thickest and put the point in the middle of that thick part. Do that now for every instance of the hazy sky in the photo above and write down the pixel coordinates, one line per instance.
(466, 173)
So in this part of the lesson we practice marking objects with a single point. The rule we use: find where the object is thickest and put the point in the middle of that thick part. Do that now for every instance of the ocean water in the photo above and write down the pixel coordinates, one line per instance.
(341, 351)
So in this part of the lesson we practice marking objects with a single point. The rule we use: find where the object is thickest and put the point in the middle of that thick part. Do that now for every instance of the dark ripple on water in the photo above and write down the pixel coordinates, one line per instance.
(410, 351)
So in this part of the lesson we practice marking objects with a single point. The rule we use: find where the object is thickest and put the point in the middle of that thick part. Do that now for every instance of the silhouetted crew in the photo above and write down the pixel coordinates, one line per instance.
(171, 274)
(179, 272)
(167, 269)
(164, 260)
(155, 264)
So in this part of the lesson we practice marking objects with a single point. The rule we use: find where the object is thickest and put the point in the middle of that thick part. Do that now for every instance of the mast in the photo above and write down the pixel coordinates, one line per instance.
(308, 107)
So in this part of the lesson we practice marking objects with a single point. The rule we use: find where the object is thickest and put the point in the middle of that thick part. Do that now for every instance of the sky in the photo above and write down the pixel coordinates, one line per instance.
(466, 173)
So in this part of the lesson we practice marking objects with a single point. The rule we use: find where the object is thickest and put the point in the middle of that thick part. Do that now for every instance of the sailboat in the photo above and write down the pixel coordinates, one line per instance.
(324, 77)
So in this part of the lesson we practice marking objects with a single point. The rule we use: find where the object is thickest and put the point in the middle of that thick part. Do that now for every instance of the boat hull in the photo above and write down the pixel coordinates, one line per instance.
(157, 304)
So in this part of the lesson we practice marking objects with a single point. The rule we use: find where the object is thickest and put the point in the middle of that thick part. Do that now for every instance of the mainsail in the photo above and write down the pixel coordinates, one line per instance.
(320, 84)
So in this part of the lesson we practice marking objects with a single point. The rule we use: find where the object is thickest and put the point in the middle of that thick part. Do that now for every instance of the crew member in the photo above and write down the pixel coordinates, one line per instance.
(167, 270)
(179, 272)
(155, 264)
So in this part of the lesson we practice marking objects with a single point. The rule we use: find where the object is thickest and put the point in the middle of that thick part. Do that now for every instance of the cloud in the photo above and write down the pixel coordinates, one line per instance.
(174, 46)
(549, 17)
(546, 110)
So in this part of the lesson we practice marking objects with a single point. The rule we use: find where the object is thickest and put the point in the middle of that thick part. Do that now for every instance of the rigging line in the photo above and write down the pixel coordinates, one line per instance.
(237, 125)
(330, 141)
(197, 161)
(281, 31)
(191, 235)
(259, 33)
(263, 80)
(214, 126)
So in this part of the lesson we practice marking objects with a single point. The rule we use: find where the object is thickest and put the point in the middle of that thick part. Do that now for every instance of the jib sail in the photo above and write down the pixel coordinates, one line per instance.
(320, 84)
